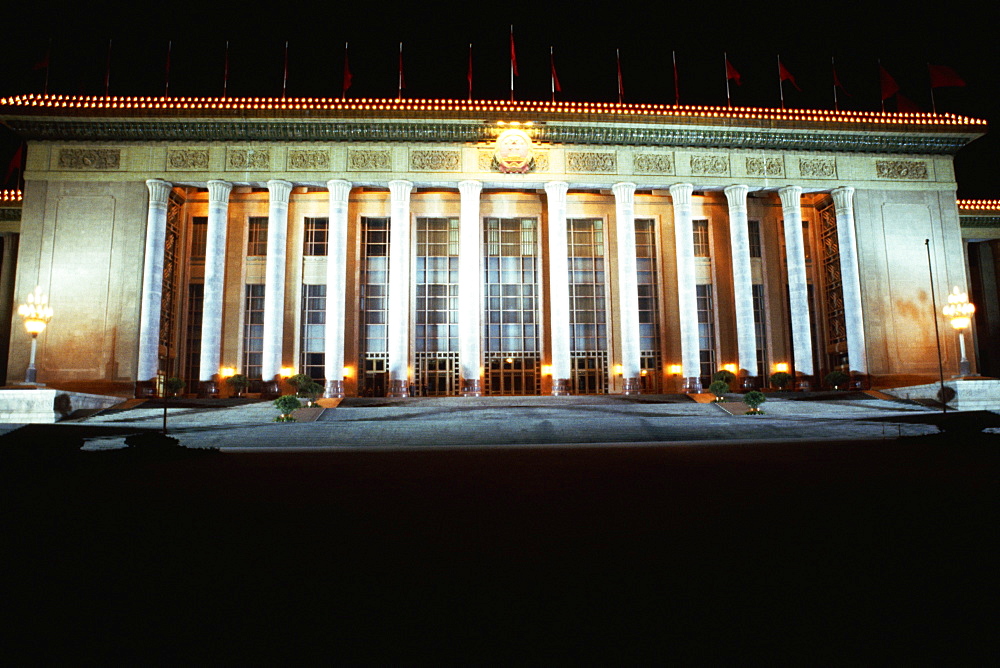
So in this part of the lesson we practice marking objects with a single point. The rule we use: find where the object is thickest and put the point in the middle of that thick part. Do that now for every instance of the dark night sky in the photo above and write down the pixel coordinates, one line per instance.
(436, 36)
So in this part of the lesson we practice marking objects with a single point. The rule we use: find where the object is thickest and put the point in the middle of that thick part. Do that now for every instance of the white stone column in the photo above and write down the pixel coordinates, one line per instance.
(628, 287)
(274, 280)
(336, 287)
(798, 287)
(152, 280)
(850, 277)
(215, 274)
(687, 295)
(470, 277)
(559, 287)
(399, 288)
(739, 237)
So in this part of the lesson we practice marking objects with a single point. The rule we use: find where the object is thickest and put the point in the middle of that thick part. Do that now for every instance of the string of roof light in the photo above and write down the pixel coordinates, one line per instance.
(11, 196)
(502, 106)
(991, 204)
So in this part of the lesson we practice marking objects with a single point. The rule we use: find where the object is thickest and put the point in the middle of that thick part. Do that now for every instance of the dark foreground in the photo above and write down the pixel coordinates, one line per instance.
(821, 553)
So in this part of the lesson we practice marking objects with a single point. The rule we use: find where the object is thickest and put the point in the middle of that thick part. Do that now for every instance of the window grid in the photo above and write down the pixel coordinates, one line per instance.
(257, 236)
(192, 343)
(436, 308)
(649, 312)
(706, 332)
(702, 247)
(199, 237)
(588, 305)
(313, 335)
(315, 237)
(253, 331)
(374, 299)
(760, 328)
(753, 229)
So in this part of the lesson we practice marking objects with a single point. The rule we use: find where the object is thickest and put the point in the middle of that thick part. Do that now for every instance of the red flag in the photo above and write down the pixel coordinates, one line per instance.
(621, 85)
(887, 83)
(785, 75)
(513, 54)
(731, 72)
(347, 73)
(905, 104)
(838, 84)
(15, 163)
(42, 64)
(555, 78)
(942, 75)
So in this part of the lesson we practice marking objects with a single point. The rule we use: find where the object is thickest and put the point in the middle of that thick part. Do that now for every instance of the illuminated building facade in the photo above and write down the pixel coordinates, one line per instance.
(446, 248)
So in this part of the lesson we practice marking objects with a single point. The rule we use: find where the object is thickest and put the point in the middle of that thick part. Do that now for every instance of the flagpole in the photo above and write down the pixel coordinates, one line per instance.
(48, 62)
(511, 62)
(284, 82)
(931, 83)
(469, 74)
(833, 69)
(343, 90)
(107, 71)
(552, 72)
(881, 94)
(225, 73)
(677, 90)
(621, 88)
(166, 87)
(399, 90)
(725, 70)
(781, 87)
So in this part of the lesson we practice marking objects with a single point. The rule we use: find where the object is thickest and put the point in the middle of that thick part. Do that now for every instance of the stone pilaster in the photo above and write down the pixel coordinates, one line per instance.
(470, 277)
(559, 287)
(850, 276)
(798, 288)
(215, 273)
(687, 296)
(274, 281)
(628, 289)
(399, 288)
(739, 236)
(336, 287)
(152, 280)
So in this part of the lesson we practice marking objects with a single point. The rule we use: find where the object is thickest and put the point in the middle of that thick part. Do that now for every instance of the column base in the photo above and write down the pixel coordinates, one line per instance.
(208, 389)
(270, 390)
(692, 385)
(472, 387)
(632, 386)
(860, 381)
(334, 389)
(749, 383)
(803, 382)
(561, 387)
(145, 389)
(399, 389)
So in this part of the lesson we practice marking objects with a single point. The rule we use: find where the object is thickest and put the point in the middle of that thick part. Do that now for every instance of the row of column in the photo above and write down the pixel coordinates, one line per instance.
(470, 272)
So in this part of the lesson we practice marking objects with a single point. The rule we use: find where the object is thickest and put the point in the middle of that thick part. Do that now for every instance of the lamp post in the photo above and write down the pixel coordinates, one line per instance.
(36, 313)
(960, 310)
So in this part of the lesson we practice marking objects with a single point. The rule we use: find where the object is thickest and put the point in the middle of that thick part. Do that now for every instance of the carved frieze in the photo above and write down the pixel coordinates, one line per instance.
(435, 161)
(90, 158)
(248, 158)
(707, 164)
(590, 162)
(308, 160)
(765, 166)
(818, 168)
(485, 162)
(187, 159)
(653, 163)
(369, 160)
(904, 170)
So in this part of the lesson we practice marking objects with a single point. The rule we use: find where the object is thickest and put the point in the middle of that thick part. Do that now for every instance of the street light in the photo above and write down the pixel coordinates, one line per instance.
(36, 313)
(960, 310)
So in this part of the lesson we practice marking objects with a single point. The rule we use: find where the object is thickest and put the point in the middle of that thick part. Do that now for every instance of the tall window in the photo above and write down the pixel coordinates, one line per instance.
(253, 330)
(702, 248)
(753, 227)
(315, 237)
(374, 306)
(192, 343)
(510, 319)
(436, 366)
(588, 305)
(257, 236)
(649, 311)
(760, 328)
(313, 336)
(199, 237)
(706, 332)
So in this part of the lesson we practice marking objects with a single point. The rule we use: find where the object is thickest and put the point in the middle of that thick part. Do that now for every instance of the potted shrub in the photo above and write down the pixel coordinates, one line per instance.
(285, 405)
(238, 384)
(754, 399)
(305, 387)
(719, 389)
(781, 379)
(836, 379)
(173, 386)
(725, 376)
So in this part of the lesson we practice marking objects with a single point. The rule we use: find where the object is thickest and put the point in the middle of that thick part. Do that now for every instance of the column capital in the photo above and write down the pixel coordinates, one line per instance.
(624, 191)
(737, 196)
(159, 191)
(279, 190)
(556, 189)
(218, 191)
(791, 197)
(339, 189)
(399, 190)
(843, 197)
(680, 193)
(470, 187)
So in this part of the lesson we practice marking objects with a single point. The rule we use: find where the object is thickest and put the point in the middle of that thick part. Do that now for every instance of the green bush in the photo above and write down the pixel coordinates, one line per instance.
(754, 399)
(780, 379)
(286, 404)
(836, 378)
(725, 376)
(174, 385)
(719, 389)
(238, 383)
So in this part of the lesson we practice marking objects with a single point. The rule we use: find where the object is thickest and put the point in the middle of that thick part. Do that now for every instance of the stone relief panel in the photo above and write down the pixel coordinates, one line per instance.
(593, 163)
(187, 159)
(435, 161)
(369, 160)
(485, 161)
(90, 158)
(248, 158)
(765, 166)
(710, 165)
(308, 160)
(903, 170)
(653, 163)
(818, 168)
